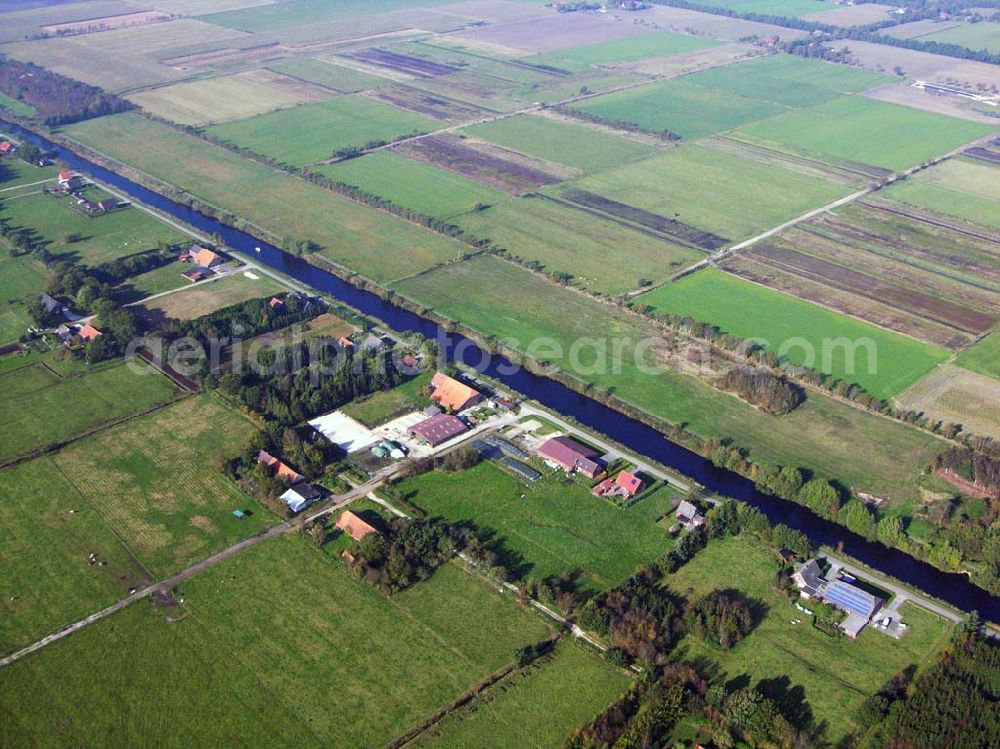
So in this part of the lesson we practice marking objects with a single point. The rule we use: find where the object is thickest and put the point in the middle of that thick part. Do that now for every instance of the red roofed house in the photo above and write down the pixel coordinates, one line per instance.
(279, 468)
(629, 483)
(275, 302)
(354, 526)
(6, 147)
(66, 177)
(571, 456)
(452, 394)
(88, 333)
(438, 429)
(345, 342)
(205, 257)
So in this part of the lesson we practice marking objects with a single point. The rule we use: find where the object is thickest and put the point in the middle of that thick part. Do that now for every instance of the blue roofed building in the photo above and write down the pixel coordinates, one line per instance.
(851, 598)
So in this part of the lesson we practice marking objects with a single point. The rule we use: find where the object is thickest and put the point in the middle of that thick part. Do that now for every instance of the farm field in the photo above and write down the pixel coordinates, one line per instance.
(326, 73)
(564, 239)
(65, 231)
(706, 188)
(273, 17)
(381, 406)
(215, 667)
(547, 528)
(321, 129)
(790, 8)
(547, 702)
(885, 367)
(33, 402)
(212, 100)
(202, 298)
(20, 277)
(561, 141)
(158, 483)
(47, 579)
(15, 173)
(370, 242)
(959, 187)
(625, 50)
(834, 675)
(164, 278)
(787, 80)
(895, 137)
(983, 357)
(689, 110)
(17, 107)
(957, 395)
(985, 35)
(830, 438)
(412, 184)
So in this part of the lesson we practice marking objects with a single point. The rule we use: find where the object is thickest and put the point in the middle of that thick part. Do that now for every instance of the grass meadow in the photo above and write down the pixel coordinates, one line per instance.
(733, 196)
(626, 50)
(379, 407)
(15, 106)
(959, 187)
(165, 278)
(322, 128)
(325, 73)
(563, 142)
(278, 645)
(790, 8)
(983, 356)
(267, 18)
(373, 243)
(20, 277)
(546, 701)
(412, 184)
(750, 311)
(203, 298)
(977, 36)
(866, 131)
(50, 533)
(38, 407)
(565, 239)
(551, 526)
(158, 482)
(811, 673)
(833, 439)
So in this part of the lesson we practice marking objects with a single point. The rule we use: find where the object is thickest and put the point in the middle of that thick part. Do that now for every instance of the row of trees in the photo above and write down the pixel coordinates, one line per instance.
(664, 134)
(979, 467)
(57, 100)
(764, 389)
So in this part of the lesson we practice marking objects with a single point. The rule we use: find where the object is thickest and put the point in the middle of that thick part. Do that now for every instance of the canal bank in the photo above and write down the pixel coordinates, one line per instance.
(637, 436)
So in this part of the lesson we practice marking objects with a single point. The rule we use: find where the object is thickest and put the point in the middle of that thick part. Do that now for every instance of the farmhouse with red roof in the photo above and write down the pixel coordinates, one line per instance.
(354, 526)
(452, 394)
(570, 455)
(88, 333)
(205, 257)
(279, 468)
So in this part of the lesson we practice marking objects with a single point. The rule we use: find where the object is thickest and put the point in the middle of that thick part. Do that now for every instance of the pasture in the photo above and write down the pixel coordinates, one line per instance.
(884, 363)
(953, 394)
(278, 641)
(547, 528)
(20, 277)
(158, 482)
(203, 298)
(977, 36)
(50, 533)
(212, 100)
(787, 80)
(861, 131)
(16, 107)
(546, 701)
(280, 17)
(789, 8)
(959, 187)
(379, 407)
(39, 407)
(544, 320)
(57, 225)
(367, 241)
(165, 278)
(561, 141)
(321, 129)
(815, 676)
(709, 189)
(689, 110)
(983, 356)
(412, 184)
(625, 50)
(564, 239)
(326, 73)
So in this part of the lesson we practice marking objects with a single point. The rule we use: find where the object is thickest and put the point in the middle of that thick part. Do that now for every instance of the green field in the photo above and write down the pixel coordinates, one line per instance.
(412, 184)
(159, 484)
(713, 191)
(626, 50)
(602, 256)
(17, 107)
(324, 73)
(322, 128)
(830, 438)
(834, 675)
(686, 109)
(370, 242)
(966, 189)
(385, 404)
(800, 330)
(546, 702)
(552, 528)
(65, 231)
(39, 408)
(563, 142)
(20, 277)
(203, 298)
(977, 36)
(787, 80)
(164, 278)
(789, 8)
(277, 646)
(268, 18)
(50, 532)
(983, 357)
(17, 173)
(860, 130)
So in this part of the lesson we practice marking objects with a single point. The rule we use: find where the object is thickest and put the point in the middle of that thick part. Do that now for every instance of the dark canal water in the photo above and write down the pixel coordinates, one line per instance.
(644, 440)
